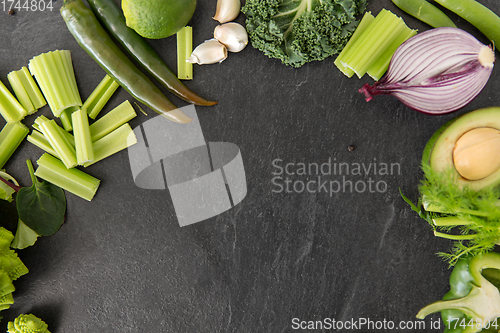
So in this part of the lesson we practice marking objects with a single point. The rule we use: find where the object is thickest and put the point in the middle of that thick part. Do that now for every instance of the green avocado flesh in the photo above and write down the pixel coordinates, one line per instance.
(439, 149)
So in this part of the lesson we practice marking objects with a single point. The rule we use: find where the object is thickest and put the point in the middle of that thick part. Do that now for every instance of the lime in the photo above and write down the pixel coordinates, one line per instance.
(157, 18)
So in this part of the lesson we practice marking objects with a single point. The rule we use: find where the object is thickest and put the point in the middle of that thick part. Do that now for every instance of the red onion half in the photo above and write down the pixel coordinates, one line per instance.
(437, 71)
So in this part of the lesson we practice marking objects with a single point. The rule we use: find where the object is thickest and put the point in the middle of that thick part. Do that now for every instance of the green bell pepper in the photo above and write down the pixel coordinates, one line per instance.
(473, 302)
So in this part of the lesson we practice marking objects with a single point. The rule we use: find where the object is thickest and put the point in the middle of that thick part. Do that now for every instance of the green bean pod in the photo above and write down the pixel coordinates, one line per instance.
(425, 12)
(92, 37)
(111, 17)
(478, 15)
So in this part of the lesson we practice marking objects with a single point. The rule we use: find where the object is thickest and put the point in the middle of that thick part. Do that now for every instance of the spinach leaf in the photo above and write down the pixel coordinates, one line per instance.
(42, 206)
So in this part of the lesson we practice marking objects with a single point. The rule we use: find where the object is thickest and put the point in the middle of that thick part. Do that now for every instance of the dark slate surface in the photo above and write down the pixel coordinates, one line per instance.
(121, 263)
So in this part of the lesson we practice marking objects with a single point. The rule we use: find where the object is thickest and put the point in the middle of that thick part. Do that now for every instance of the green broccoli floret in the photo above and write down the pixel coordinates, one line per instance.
(297, 32)
(27, 323)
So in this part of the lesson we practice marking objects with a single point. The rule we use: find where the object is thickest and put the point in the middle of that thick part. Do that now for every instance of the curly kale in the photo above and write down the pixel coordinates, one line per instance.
(300, 31)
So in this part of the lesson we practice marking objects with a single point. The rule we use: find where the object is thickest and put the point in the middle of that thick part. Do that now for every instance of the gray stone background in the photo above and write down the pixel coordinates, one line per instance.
(121, 263)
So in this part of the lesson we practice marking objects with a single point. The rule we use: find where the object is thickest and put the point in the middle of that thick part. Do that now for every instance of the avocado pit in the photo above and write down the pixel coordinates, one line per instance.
(477, 153)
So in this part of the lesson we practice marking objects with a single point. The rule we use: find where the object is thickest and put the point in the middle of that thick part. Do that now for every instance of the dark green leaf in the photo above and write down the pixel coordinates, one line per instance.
(41, 206)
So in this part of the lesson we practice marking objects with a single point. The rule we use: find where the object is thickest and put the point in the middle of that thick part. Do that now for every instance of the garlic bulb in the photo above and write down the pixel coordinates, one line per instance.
(227, 10)
(233, 35)
(208, 52)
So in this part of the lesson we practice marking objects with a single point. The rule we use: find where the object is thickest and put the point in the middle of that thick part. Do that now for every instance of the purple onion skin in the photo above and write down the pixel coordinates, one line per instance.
(435, 72)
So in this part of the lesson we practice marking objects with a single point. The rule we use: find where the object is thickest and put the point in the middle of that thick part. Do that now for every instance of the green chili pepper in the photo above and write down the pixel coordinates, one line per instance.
(425, 12)
(111, 17)
(92, 37)
(473, 302)
(478, 15)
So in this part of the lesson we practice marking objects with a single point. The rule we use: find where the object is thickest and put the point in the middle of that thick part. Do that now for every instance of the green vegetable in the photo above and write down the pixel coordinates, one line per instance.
(465, 211)
(83, 141)
(473, 302)
(11, 136)
(7, 189)
(425, 12)
(59, 142)
(111, 17)
(26, 90)
(112, 120)
(297, 32)
(184, 50)
(25, 236)
(110, 144)
(91, 36)
(56, 77)
(72, 180)
(100, 96)
(39, 140)
(42, 206)
(478, 15)
(446, 206)
(11, 268)
(371, 50)
(10, 109)
(27, 323)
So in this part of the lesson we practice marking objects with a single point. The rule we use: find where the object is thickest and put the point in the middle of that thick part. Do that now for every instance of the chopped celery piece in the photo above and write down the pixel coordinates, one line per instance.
(11, 136)
(10, 109)
(21, 94)
(54, 73)
(72, 180)
(26, 90)
(66, 118)
(100, 96)
(112, 120)
(119, 139)
(83, 141)
(59, 143)
(374, 41)
(379, 67)
(39, 140)
(362, 26)
(184, 50)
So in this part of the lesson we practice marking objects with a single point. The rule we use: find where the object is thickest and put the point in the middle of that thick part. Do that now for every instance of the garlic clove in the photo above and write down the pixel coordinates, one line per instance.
(208, 52)
(477, 153)
(233, 35)
(227, 10)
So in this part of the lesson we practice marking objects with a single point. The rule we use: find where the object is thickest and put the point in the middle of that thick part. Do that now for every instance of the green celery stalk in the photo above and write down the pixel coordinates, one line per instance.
(83, 141)
(72, 180)
(184, 50)
(100, 96)
(32, 88)
(26, 90)
(119, 139)
(55, 75)
(362, 26)
(11, 136)
(10, 109)
(374, 41)
(379, 67)
(59, 143)
(65, 58)
(39, 140)
(21, 94)
(40, 119)
(112, 120)
(66, 118)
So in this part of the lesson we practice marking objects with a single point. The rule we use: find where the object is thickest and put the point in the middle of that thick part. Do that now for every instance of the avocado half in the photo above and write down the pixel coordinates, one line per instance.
(439, 149)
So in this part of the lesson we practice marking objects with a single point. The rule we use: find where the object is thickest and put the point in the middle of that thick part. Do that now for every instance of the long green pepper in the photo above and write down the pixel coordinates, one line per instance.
(111, 17)
(92, 37)
(425, 12)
